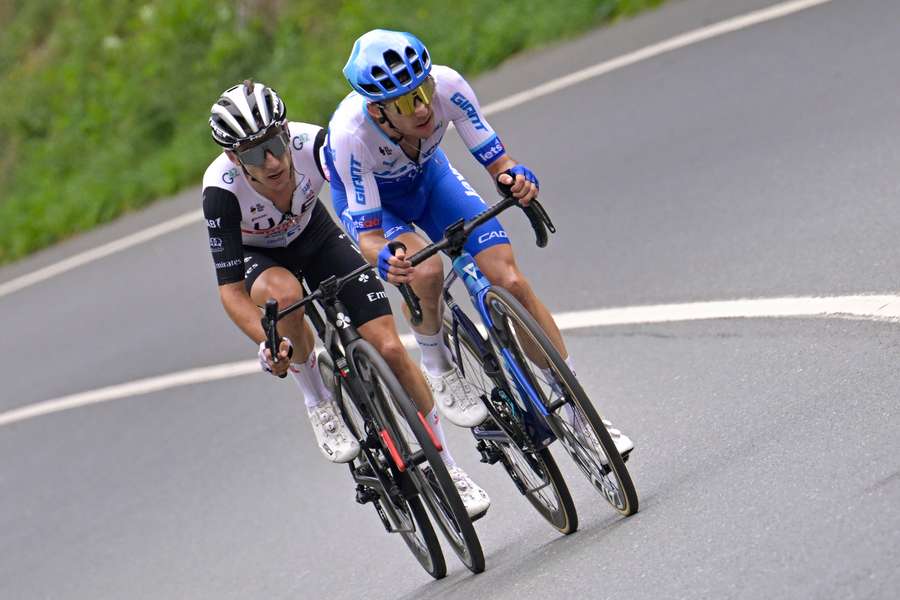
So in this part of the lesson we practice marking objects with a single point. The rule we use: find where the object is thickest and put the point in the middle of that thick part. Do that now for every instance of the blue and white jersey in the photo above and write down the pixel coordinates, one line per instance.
(367, 166)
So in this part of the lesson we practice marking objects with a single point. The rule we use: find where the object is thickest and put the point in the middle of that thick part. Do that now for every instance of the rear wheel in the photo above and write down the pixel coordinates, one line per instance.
(406, 515)
(416, 446)
(572, 417)
(533, 471)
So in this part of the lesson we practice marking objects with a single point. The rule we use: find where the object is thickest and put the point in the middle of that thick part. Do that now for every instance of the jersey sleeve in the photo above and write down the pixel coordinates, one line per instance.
(465, 112)
(353, 164)
(307, 140)
(223, 223)
(318, 150)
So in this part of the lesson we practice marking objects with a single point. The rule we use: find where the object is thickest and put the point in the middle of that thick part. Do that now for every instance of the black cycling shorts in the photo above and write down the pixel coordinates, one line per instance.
(323, 250)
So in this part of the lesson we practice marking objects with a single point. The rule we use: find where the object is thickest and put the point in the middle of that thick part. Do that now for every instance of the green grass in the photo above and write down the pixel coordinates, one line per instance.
(103, 103)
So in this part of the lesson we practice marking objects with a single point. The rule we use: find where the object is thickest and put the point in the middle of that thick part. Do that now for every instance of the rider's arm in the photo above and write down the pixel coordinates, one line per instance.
(481, 139)
(354, 180)
(241, 310)
(223, 221)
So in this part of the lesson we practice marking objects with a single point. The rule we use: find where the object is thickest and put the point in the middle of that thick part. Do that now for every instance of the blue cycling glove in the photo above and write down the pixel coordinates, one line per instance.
(526, 173)
(383, 263)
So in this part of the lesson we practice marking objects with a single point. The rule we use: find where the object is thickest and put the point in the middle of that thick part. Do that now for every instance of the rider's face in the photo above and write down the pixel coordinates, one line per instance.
(419, 124)
(275, 172)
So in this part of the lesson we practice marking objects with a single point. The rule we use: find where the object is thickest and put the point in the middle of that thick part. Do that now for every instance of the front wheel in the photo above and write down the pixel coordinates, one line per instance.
(571, 416)
(404, 515)
(427, 472)
(533, 471)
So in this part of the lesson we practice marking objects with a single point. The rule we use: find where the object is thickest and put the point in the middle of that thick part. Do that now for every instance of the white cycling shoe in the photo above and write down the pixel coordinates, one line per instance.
(334, 439)
(475, 499)
(455, 398)
(623, 443)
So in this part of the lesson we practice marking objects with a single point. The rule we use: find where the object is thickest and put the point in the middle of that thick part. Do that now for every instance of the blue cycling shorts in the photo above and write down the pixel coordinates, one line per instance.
(441, 197)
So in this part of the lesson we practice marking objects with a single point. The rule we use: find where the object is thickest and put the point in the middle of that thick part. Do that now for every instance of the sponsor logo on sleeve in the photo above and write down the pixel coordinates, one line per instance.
(215, 245)
(229, 175)
(467, 107)
(490, 152)
(367, 221)
(356, 178)
(228, 263)
(299, 140)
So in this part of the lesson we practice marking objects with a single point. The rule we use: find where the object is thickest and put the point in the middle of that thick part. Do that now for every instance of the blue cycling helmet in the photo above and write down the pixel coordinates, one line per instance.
(385, 64)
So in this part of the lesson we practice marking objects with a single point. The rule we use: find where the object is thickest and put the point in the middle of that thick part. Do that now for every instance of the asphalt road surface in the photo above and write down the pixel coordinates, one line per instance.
(761, 163)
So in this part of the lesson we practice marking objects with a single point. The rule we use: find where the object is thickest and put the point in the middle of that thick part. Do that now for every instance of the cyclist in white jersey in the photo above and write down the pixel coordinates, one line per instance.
(388, 173)
(267, 229)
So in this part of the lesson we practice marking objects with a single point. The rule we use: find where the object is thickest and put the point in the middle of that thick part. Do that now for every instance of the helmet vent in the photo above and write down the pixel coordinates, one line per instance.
(397, 66)
(392, 60)
(414, 61)
(379, 75)
(370, 89)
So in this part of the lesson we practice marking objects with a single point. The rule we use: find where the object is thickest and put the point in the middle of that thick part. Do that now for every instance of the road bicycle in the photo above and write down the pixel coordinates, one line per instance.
(399, 467)
(531, 394)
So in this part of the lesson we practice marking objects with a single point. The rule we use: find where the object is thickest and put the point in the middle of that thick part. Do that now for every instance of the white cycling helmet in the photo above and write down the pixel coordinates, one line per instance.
(244, 113)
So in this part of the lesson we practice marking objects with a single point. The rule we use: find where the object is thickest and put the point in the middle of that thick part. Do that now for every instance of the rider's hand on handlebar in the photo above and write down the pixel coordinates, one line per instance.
(282, 364)
(525, 186)
(394, 268)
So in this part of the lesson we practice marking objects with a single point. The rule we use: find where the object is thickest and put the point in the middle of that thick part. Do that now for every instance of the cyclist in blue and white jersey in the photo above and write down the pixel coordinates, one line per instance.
(267, 230)
(388, 173)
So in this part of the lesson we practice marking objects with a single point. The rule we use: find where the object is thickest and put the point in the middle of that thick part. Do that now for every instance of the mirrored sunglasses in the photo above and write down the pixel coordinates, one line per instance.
(256, 154)
(406, 104)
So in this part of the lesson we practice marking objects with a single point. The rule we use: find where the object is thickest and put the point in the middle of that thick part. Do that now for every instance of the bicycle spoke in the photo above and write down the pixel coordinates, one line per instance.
(573, 419)
(534, 472)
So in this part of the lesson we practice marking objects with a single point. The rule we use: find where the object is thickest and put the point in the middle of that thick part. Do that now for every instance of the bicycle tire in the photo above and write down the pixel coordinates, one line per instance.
(610, 477)
(423, 543)
(438, 493)
(541, 464)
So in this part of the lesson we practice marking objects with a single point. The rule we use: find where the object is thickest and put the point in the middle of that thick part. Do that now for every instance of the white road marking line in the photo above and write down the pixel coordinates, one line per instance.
(680, 41)
(83, 258)
(868, 307)
(675, 43)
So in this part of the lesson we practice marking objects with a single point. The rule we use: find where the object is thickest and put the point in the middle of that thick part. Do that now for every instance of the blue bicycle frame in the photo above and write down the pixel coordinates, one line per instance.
(533, 412)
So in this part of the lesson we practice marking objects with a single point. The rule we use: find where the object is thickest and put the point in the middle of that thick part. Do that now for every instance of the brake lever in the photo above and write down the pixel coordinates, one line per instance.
(269, 324)
(540, 221)
(409, 296)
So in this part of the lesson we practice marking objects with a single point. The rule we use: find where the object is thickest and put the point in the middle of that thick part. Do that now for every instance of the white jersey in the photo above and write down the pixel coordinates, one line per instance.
(366, 165)
(261, 223)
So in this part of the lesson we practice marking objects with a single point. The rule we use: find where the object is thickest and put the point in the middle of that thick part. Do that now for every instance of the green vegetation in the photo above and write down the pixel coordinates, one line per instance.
(103, 103)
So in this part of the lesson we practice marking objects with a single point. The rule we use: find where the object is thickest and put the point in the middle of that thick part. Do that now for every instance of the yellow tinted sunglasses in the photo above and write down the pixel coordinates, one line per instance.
(406, 104)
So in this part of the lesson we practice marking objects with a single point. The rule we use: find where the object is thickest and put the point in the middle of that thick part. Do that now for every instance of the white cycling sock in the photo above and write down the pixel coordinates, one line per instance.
(308, 379)
(434, 421)
(436, 357)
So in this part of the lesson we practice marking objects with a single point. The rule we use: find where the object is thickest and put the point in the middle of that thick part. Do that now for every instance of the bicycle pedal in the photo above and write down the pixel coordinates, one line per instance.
(365, 470)
(364, 495)
(489, 454)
